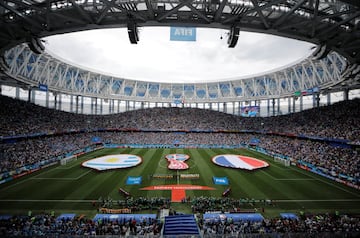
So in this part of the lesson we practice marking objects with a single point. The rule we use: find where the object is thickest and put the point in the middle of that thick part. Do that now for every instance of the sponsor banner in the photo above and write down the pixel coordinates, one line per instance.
(182, 33)
(115, 211)
(113, 162)
(236, 217)
(20, 175)
(254, 141)
(290, 216)
(239, 162)
(220, 180)
(124, 217)
(96, 139)
(189, 176)
(43, 87)
(66, 216)
(250, 111)
(178, 186)
(163, 176)
(133, 180)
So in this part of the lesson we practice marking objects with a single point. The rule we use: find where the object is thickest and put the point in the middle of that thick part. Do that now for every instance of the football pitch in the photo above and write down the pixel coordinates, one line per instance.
(73, 188)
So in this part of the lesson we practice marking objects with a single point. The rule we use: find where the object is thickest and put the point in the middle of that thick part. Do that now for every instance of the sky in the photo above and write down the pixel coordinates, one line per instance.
(156, 58)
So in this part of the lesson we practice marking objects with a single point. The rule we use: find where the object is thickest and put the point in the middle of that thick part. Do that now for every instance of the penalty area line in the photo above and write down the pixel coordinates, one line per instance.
(287, 179)
(64, 167)
(323, 180)
(80, 176)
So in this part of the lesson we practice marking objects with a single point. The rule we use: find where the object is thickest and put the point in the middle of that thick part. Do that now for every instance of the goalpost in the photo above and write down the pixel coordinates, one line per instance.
(65, 160)
(285, 162)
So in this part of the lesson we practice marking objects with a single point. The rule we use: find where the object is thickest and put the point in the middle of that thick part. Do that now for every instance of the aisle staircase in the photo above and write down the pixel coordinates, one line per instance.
(181, 225)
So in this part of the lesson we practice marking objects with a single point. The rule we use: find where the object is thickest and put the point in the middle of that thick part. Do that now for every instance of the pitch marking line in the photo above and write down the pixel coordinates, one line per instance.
(90, 200)
(80, 176)
(313, 178)
(276, 164)
(32, 178)
(295, 179)
(64, 167)
(45, 172)
(27, 179)
(287, 179)
(15, 184)
(328, 183)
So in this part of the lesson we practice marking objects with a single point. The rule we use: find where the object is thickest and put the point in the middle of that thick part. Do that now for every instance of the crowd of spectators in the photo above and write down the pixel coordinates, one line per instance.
(32, 151)
(324, 225)
(204, 204)
(340, 120)
(307, 225)
(46, 225)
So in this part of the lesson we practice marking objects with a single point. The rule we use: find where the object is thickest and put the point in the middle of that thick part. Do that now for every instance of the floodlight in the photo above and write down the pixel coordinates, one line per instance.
(133, 32)
(233, 36)
(320, 52)
(36, 45)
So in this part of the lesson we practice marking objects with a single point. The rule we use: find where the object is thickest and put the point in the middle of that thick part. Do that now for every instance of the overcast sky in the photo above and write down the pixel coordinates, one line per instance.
(156, 58)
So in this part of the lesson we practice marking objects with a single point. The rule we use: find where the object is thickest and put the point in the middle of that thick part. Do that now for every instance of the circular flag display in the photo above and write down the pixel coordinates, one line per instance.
(239, 162)
(177, 161)
(113, 162)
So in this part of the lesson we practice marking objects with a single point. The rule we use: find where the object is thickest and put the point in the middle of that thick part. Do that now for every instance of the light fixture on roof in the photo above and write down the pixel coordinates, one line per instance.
(133, 32)
(36, 45)
(233, 36)
(320, 52)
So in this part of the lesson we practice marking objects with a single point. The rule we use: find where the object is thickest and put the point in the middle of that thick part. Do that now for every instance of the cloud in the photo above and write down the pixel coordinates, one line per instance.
(156, 58)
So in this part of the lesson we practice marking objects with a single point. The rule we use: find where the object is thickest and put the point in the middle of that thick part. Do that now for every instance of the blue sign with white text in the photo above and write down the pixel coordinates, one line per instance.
(133, 180)
(43, 87)
(220, 180)
(182, 33)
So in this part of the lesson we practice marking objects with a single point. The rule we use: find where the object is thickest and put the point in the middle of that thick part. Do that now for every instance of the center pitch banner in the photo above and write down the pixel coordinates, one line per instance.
(182, 33)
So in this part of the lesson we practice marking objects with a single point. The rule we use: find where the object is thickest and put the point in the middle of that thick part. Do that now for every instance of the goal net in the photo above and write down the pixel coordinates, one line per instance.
(66, 160)
(285, 162)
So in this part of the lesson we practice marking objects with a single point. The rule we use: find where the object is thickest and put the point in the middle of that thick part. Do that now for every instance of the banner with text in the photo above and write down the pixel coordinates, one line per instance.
(182, 33)
(220, 180)
(133, 180)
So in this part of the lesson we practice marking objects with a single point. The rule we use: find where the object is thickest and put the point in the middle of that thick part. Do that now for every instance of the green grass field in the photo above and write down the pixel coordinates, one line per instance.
(71, 188)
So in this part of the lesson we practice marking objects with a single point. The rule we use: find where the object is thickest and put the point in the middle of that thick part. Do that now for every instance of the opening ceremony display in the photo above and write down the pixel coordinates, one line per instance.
(177, 161)
(239, 162)
(113, 162)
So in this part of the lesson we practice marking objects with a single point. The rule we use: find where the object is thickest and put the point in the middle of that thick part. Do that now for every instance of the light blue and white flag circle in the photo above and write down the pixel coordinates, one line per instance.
(113, 162)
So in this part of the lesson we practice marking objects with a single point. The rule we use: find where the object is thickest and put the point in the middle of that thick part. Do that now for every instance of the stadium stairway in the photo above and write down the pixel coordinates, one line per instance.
(180, 225)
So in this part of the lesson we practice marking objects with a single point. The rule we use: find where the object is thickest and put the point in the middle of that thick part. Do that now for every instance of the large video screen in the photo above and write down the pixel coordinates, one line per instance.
(250, 111)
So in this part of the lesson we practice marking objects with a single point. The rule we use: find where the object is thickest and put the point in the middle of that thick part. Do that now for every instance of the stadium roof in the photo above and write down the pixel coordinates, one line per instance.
(158, 59)
(332, 25)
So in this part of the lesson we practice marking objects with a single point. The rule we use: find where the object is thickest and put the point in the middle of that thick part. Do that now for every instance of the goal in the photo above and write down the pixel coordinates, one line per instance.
(66, 160)
(285, 162)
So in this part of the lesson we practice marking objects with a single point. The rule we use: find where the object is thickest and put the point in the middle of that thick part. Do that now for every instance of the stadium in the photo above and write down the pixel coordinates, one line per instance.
(89, 154)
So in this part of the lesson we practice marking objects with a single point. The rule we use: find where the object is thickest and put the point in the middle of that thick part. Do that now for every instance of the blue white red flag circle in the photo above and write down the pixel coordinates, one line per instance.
(239, 162)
